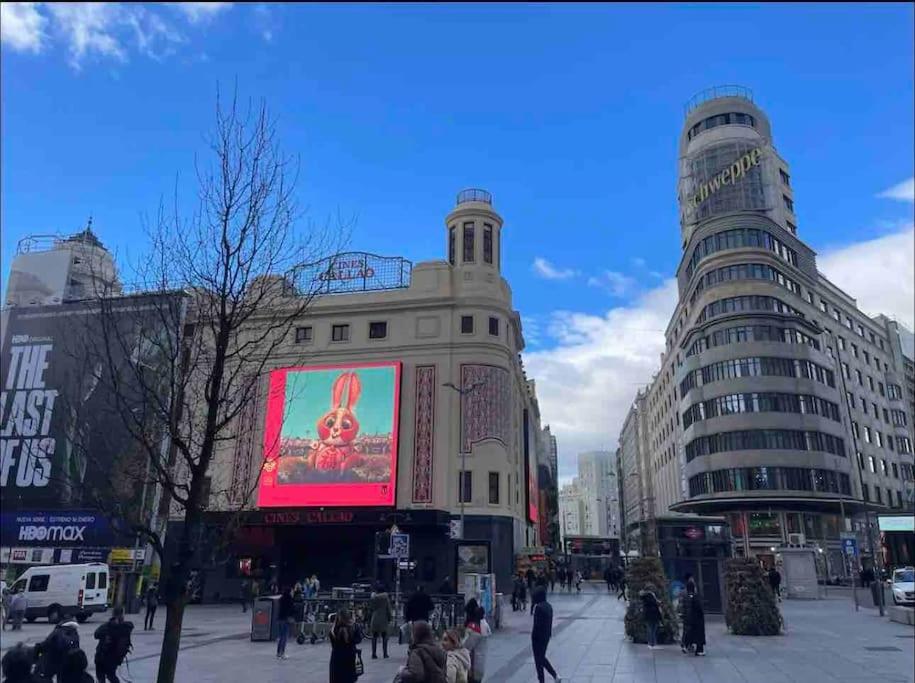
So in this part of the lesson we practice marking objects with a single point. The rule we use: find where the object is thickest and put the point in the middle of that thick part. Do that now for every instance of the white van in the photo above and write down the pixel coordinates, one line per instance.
(64, 590)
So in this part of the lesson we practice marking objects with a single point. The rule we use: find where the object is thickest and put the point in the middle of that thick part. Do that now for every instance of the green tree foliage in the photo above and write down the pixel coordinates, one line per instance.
(751, 608)
(647, 572)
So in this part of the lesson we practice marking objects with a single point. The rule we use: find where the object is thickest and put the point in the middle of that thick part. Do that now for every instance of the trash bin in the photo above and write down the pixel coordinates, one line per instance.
(264, 624)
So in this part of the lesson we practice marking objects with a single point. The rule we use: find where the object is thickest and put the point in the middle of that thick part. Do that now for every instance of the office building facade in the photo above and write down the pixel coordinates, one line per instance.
(779, 403)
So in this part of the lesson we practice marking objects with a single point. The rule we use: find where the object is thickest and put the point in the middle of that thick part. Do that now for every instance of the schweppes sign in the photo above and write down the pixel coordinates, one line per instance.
(728, 176)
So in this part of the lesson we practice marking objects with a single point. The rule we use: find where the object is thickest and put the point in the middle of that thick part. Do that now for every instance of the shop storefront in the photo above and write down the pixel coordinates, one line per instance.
(697, 547)
(897, 538)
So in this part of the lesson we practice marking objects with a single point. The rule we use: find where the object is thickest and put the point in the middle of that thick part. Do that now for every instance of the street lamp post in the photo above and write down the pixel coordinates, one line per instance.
(463, 480)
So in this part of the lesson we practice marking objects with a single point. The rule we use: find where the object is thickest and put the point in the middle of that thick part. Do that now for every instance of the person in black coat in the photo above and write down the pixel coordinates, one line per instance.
(775, 582)
(343, 640)
(17, 665)
(419, 606)
(541, 633)
(693, 621)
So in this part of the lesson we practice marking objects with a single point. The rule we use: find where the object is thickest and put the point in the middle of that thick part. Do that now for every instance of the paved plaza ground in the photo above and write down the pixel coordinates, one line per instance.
(825, 642)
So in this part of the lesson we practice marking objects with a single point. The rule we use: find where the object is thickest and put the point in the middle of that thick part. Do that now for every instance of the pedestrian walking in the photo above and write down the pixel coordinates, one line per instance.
(382, 614)
(244, 591)
(285, 617)
(75, 668)
(5, 601)
(621, 587)
(578, 579)
(457, 662)
(476, 634)
(19, 603)
(51, 651)
(298, 610)
(152, 602)
(608, 578)
(114, 644)
(570, 577)
(693, 621)
(344, 637)
(426, 660)
(541, 633)
(551, 576)
(775, 582)
(651, 612)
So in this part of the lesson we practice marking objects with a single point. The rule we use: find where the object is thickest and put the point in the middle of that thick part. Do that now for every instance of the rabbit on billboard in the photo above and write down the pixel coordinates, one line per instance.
(338, 428)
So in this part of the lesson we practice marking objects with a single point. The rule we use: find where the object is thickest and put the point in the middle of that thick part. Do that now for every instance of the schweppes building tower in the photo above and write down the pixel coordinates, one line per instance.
(777, 407)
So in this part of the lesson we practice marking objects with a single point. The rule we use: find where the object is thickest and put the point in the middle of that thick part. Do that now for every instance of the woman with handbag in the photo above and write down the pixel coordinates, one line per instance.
(345, 658)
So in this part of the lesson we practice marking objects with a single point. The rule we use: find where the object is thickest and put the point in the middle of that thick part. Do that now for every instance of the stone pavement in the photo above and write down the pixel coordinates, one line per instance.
(826, 642)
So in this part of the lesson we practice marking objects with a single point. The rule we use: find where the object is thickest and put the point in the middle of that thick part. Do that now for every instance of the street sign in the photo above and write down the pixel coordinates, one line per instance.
(400, 546)
(850, 546)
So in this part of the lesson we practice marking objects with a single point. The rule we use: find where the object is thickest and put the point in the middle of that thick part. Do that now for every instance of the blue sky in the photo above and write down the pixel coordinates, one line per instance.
(568, 114)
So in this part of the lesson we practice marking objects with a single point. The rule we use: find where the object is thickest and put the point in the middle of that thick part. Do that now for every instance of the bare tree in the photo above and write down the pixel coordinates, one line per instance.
(184, 368)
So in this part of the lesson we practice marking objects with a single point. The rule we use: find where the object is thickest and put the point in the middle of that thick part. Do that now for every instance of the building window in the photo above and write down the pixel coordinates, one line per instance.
(494, 327)
(786, 179)
(465, 487)
(881, 389)
(860, 330)
(894, 390)
(870, 383)
(899, 418)
(493, 488)
(895, 471)
(788, 203)
(339, 333)
(859, 378)
(886, 416)
(867, 358)
(378, 330)
(854, 350)
(879, 493)
(487, 243)
(468, 243)
(303, 335)
(865, 489)
(860, 460)
(841, 342)
(845, 370)
(466, 324)
(872, 464)
(876, 412)
(854, 429)
(824, 306)
(451, 243)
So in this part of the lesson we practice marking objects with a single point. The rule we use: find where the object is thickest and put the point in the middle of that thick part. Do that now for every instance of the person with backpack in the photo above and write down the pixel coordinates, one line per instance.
(51, 652)
(541, 634)
(75, 668)
(426, 660)
(152, 602)
(114, 645)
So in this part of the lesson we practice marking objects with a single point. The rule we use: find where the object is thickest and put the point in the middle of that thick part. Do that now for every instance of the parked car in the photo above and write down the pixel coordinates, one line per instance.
(903, 586)
(64, 590)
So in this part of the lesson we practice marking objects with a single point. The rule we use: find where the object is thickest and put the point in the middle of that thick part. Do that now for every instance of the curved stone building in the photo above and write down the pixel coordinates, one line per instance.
(774, 405)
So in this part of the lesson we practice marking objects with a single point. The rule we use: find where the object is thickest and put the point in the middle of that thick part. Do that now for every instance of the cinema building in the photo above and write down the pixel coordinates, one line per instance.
(399, 399)
(779, 405)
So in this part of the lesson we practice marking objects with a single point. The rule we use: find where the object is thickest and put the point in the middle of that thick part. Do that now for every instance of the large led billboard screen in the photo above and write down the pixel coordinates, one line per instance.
(330, 436)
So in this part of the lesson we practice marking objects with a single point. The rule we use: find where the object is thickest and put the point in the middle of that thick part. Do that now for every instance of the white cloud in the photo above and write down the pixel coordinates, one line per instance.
(548, 271)
(588, 380)
(904, 191)
(615, 284)
(105, 30)
(89, 28)
(200, 12)
(879, 273)
(22, 26)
